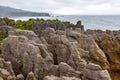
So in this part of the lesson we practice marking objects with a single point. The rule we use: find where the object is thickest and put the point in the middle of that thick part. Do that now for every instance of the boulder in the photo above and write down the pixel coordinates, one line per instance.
(94, 72)
(31, 76)
(54, 71)
(4, 74)
(66, 70)
(94, 67)
(6, 70)
(60, 78)
(20, 77)
(5, 29)
(52, 78)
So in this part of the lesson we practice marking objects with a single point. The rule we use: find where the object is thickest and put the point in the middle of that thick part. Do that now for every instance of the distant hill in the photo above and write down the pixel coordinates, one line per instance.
(8, 11)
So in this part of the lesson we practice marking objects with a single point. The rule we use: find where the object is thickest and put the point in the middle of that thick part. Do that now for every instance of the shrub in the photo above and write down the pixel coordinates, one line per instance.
(3, 36)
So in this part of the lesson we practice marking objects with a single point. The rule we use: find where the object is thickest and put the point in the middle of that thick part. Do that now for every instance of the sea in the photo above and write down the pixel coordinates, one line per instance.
(95, 22)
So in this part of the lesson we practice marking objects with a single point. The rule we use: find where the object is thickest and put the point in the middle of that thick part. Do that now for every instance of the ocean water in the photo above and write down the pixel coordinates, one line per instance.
(103, 22)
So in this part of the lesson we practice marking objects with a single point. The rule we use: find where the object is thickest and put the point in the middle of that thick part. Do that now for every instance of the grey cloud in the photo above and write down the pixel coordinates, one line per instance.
(65, 6)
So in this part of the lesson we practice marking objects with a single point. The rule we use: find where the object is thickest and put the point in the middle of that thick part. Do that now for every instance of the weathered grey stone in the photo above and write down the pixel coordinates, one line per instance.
(54, 70)
(66, 70)
(31, 76)
(5, 29)
(43, 25)
(20, 77)
(6, 71)
(70, 78)
(22, 49)
(93, 73)
(29, 34)
(4, 74)
(52, 78)
(1, 78)
(59, 53)
(60, 78)
(93, 67)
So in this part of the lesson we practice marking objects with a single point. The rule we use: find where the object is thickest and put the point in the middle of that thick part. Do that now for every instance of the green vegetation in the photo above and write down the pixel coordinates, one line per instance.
(79, 22)
(24, 25)
(3, 36)
(69, 25)
(55, 20)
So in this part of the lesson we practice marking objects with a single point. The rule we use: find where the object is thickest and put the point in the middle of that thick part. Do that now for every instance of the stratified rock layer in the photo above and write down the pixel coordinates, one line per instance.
(109, 42)
(65, 54)
(6, 71)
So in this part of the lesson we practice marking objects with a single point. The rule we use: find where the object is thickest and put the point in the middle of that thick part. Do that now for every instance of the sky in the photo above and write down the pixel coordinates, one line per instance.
(67, 7)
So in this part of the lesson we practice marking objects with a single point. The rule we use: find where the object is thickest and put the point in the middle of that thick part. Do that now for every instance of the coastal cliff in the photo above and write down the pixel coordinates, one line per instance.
(13, 12)
(55, 50)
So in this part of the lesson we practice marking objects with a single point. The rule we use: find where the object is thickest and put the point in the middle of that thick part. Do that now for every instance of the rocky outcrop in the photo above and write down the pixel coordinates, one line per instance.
(87, 43)
(5, 29)
(38, 27)
(6, 71)
(31, 76)
(19, 77)
(79, 25)
(60, 78)
(54, 54)
(109, 42)
(27, 54)
(95, 72)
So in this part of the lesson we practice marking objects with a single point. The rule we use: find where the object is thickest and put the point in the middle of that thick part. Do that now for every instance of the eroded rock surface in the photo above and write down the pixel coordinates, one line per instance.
(54, 55)
(6, 70)
(109, 42)
(95, 72)
(60, 78)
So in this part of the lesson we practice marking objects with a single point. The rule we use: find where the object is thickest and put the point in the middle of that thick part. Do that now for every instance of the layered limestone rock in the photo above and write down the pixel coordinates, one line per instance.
(38, 26)
(31, 76)
(6, 71)
(54, 55)
(5, 29)
(24, 50)
(95, 72)
(109, 42)
(19, 77)
(60, 78)
(87, 43)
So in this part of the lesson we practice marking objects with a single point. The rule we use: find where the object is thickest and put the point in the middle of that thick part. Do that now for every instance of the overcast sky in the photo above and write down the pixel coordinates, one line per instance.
(66, 6)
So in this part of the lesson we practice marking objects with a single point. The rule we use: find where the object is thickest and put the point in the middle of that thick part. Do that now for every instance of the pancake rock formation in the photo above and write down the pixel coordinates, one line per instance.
(55, 50)
(54, 55)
